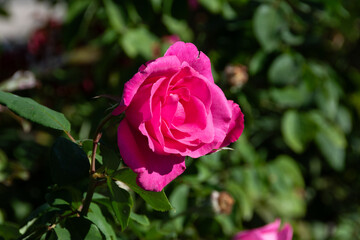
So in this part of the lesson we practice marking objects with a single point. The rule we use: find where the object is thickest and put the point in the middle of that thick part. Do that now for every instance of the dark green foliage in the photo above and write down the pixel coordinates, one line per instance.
(35, 112)
(68, 162)
(121, 203)
(79, 228)
(298, 158)
(156, 200)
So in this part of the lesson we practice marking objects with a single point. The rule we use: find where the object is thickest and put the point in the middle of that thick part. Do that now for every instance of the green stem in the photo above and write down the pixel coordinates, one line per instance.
(69, 136)
(89, 196)
(92, 177)
(96, 140)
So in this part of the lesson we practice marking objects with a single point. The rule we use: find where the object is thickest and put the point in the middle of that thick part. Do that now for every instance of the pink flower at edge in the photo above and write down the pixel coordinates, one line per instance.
(173, 109)
(271, 231)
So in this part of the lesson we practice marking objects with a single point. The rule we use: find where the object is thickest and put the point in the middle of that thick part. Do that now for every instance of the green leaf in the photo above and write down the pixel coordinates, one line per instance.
(115, 16)
(332, 131)
(62, 233)
(41, 219)
(138, 41)
(204, 172)
(9, 231)
(31, 110)
(213, 161)
(51, 235)
(328, 97)
(65, 198)
(95, 215)
(257, 62)
(142, 219)
(75, 8)
(289, 96)
(288, 171)
(288, 204)
(243, 200)
(110, 159)
(344, 119)
(156, 4)
(228, 12)
(121, 203)
(297, 130)
(253, 183)
(226, 224)
(267, 25)
(82, 228)
(33, 216)
(334, 154)
(178, 27)
(68, 162)
(178, 199)
(156, 200)
(290, 38)
(37, 233)
(285, 69)
(245, 151)
(214, 6)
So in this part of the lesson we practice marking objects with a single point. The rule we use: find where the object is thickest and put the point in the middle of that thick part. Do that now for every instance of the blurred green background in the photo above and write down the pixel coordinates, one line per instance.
(293, 67)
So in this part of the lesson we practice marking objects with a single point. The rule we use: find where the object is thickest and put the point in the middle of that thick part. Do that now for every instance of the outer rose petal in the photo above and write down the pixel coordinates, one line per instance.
(236, 126)
(154, 171)
(162, 65)
(286, 233)
(222, 115)
(268, 232)
(187, 52)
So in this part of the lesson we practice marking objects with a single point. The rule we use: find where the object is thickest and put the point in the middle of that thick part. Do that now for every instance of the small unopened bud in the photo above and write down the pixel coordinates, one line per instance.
(222, 202)
(122, 185)
(337, 41)
(236, 75)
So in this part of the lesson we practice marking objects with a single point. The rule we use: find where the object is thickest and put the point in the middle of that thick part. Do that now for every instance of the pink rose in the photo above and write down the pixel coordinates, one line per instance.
(173, 109)
(268, 232)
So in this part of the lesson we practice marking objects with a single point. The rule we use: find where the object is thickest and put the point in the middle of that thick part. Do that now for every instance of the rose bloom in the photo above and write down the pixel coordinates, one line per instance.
(173, 109)
(268, 232)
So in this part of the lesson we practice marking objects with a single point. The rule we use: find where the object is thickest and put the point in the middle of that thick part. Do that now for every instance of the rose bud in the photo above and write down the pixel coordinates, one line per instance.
(222, 202)
(236, 75)
(271, 231)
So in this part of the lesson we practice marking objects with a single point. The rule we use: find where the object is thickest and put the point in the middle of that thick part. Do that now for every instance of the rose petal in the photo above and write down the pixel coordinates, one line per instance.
(271, 227)
(152, 130)
(119, 109)
(267, 232)
(170, 107)
(187, 52)
(191, 79)
(154, 171)
(140, 110)
(286, 233)
(221, 116)
(196, 144)
(195, 116)
(236, 126)
(271, 235)
(183, 93)
(163, 66)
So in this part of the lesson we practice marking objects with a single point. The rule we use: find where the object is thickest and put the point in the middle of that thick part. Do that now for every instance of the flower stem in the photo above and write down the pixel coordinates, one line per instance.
(92, 178)
(89, 196)
(96, 140)
(70, 137)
